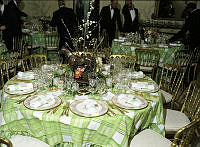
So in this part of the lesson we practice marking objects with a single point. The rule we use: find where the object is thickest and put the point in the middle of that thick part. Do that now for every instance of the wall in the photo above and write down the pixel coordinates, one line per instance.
(47, 7)
(42, 7)
(145, 8)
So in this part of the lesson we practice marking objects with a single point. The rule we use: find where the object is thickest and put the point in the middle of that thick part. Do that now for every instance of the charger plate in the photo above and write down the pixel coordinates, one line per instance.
(38, 102)
(89, 108)
(129, 101)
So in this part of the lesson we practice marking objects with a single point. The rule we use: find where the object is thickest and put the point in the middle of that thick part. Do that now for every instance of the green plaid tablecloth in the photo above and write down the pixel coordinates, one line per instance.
(38, 39)
(79, 131)
(166, 54)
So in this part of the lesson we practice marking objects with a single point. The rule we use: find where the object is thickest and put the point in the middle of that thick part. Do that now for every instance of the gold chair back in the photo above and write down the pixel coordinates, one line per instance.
(3, 73)
(51, 41)
(126, 60)
(32, 61)
(7, 142)
(171, 79)
(182, 58)
(38, 60)
(147, 60)
(12, 59)
(26, 63)
(27, 38)
(185, 135)
(191, 105)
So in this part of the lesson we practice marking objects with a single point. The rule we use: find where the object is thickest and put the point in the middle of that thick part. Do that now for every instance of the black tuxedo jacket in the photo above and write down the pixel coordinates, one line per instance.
(15, 15)
(192, 24)
(69, 19)
(110, 24)
(129, 25)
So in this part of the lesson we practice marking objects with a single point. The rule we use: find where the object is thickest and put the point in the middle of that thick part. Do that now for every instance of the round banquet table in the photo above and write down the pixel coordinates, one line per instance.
(75, 130)
(128, 48)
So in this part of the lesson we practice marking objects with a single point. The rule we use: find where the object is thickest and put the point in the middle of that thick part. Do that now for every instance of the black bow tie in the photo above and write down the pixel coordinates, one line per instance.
(130, 8)
(112, 8)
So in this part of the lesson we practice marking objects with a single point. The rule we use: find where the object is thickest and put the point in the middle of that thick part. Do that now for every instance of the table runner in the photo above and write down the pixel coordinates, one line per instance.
(79, 131)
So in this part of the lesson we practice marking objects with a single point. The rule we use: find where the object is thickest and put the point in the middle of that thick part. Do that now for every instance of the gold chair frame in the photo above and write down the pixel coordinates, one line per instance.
(171, 79)
(191, 105)
(121, 57)
(184, 135)
(146, 60)
(7, 142)
(51, 42)
(3, 63)
(29, 62)
(12, 60)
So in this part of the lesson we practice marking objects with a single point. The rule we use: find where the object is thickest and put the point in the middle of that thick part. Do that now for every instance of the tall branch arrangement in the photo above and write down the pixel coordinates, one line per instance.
(87, 28)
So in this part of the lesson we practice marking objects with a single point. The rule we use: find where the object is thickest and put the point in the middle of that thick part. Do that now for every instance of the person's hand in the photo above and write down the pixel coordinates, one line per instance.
(2, 28)
(104, 31)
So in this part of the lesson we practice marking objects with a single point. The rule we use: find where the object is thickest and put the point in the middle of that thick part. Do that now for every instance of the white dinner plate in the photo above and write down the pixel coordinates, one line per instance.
(89, 108)
(129, 101)
(42, 101)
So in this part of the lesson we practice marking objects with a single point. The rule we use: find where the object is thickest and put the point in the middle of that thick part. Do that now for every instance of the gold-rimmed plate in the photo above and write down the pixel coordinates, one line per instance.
(129, 101)
(89, 108)
(19, 88)
(143, 86)
(42, 101)
(83, 91)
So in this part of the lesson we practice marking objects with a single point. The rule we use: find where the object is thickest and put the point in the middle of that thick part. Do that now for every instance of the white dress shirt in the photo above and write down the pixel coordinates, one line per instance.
(111, 11)
(2, 9)
(132, 12)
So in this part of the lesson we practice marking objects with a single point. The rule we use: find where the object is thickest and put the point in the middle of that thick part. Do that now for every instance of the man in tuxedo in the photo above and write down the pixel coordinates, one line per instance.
(65, 20)
(192, 24)
(109, 15)
(130, 17)
(11, 22)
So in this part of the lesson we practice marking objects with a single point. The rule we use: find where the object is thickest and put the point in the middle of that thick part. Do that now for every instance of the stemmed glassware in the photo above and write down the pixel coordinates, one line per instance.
(75, 87)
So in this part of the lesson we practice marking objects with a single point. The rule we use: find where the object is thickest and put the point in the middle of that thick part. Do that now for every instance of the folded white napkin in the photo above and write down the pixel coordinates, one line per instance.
(42, 100)
(174, 44)
(139, 85)
(126, 43)
(107, 96)
(20, 87)
(90, 107)
(119, 40)
(142, 85)
(133, 48)
(139, 74)
(129, 100)
(27, 75)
